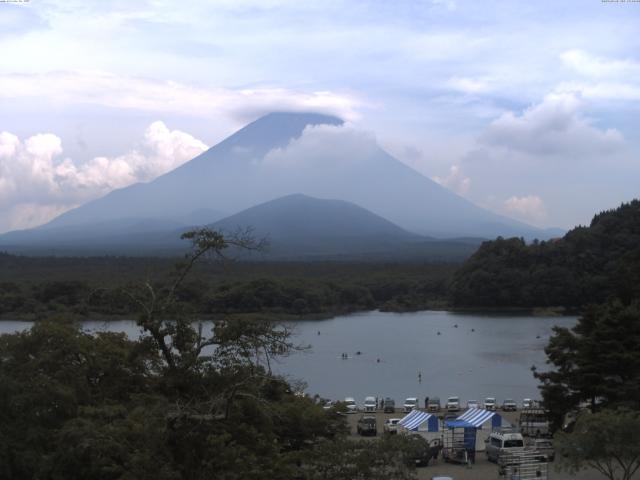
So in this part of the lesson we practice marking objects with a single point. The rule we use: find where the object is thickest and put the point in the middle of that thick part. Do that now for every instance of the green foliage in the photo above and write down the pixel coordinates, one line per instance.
(589, 265)
(178, 403)
(597, 361)
(32, 287)
(81, 406)
(381, 459)
(607, 441)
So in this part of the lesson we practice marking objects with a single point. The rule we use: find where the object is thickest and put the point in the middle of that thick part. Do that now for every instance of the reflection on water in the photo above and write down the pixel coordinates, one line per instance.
(408, 354)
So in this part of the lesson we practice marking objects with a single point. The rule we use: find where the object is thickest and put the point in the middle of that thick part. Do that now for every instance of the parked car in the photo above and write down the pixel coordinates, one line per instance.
(389, 405)
(453, 404)
(490, 403)
(370, 404)
(473, 404)
(503, 441)
(509, 405)
(328, 404)
(391, 425)
(352, 406)
(527, 403)
(410, 404)
(434, 404)
(421, 451)
(367, 425)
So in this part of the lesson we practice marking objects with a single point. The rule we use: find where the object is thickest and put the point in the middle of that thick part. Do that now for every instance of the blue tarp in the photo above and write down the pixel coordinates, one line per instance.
(458, 424)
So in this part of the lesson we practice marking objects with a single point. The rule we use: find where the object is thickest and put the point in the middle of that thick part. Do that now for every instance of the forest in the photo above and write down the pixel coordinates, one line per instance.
(34, 287)
(588, 265)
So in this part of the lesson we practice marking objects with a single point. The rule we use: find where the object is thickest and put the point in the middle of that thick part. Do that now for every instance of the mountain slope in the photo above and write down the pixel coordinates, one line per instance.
(299, 226)
(300, 216)
(240, 172)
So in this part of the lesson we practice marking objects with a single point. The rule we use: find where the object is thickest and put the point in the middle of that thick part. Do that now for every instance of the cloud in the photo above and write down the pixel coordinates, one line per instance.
(455, 181)
(321, 144)
(132, 93)
(602, 78)
(601, 90)
(529, 208)
(469, 85)
(36, 184)
(599, 67)
(554, 127)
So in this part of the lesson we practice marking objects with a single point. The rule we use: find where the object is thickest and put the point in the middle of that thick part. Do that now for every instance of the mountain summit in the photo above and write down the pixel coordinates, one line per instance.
(286, 153)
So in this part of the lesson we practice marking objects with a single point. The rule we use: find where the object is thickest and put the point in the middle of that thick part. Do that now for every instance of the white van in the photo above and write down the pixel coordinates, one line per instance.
(453, 404)
(490, 403)
(370, 404)
(352, 406)
(501, 441)
(410, 403)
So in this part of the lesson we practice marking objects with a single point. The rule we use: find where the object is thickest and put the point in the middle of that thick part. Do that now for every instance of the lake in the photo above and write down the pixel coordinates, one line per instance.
(485, 355)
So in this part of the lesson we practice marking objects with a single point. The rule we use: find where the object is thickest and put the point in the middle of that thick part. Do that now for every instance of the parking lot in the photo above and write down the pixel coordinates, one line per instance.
(482, 469)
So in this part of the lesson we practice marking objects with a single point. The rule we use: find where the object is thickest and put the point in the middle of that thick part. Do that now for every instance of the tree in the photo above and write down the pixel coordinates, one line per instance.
(380, 459)
(178, 341)
(597, 361)
(608, 441)
(174, 404)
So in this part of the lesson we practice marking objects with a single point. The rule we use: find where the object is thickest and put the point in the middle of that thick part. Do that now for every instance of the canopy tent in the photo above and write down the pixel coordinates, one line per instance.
(471, 423)
(417, 420)
(476, 417)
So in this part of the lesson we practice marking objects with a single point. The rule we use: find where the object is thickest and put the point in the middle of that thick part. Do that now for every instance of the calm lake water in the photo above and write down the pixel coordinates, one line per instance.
(485, 355)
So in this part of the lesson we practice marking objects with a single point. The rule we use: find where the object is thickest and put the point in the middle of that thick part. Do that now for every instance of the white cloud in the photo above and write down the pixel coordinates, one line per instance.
(469, 85)
(130, 93)
(322, 144)
(455, 181)
(530, 208)
(602, 78)
(556, 127)
(36, 184)
(601, 90)
(594, 66)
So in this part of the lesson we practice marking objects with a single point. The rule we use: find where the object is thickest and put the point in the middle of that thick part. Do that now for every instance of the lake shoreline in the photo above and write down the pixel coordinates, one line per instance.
(319, 316)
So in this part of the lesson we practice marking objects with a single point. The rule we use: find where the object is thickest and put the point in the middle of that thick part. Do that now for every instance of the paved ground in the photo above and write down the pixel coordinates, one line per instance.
(483, 469)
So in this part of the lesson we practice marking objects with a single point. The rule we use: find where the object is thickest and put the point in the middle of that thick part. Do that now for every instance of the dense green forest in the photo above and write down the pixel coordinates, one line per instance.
(33, 287)
(588, 265)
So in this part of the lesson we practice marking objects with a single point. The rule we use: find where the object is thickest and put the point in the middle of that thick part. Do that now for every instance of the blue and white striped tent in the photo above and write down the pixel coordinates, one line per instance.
(475, 417)
(417, 420)
(472, 421)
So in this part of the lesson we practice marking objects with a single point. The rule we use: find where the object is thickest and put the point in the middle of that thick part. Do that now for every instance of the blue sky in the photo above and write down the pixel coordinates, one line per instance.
(529, 109)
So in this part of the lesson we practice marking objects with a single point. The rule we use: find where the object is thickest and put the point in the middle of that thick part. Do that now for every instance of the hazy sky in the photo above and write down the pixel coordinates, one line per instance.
(529, 108)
